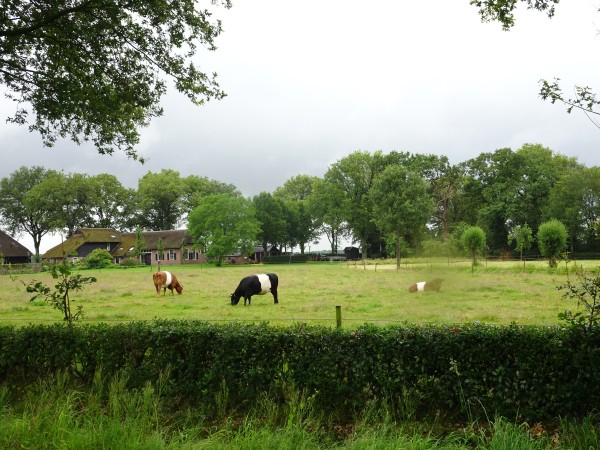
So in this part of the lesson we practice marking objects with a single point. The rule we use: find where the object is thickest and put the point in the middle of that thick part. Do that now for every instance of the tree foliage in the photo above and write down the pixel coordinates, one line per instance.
(60, 296)
(326, 207)
(195, 188)
(271, 214)
(499, 191)
(113, 204)
(552, 240)
(575, 201)
(503, 12)
(353, 176)
(522, 236)
(159, 198)
(98, 258)
(223, 224)
(587, 294)
(401, 204)
(19, 212)
(69, 197)
(296, 193)
(96, 69)
(473, 239)
(511, 187)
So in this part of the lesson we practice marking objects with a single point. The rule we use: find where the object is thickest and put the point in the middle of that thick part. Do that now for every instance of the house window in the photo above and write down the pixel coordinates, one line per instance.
(158, 257)
(171, 256)
(191, 254)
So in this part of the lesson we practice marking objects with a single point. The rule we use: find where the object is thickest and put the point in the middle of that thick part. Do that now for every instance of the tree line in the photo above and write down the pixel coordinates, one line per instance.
(388, 204)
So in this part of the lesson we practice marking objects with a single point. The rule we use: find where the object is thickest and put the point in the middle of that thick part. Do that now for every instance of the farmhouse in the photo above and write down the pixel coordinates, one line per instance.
(11, 252)
(170, 247)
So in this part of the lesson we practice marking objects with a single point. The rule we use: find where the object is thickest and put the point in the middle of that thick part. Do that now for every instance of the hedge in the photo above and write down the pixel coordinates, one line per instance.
(533, 373)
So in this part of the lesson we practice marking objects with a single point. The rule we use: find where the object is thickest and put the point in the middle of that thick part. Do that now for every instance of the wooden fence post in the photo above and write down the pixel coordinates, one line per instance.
(338, 316)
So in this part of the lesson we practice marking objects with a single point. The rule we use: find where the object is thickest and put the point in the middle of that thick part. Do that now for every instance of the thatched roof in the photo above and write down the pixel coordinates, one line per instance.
(169, 238)
(126, 241)
(126, 246)
(98, 234)
(10, 247)
(81, 236)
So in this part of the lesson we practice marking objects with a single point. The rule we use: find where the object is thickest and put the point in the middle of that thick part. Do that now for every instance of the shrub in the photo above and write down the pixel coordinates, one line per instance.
(130, 262)
(473, 239)
(552, 240)
(98, 259)
(587, 294)
(60, 296)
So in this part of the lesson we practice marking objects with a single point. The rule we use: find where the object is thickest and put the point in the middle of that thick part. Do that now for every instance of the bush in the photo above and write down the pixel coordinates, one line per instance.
(98, 259)
(473, 240)
(130, 262)
(552, 240)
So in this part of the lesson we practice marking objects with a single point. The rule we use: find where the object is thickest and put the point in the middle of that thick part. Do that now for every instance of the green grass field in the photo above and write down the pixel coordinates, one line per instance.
(495, 293)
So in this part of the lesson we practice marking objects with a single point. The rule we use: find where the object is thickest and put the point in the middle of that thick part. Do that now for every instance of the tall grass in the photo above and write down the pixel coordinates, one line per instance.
(57, 414)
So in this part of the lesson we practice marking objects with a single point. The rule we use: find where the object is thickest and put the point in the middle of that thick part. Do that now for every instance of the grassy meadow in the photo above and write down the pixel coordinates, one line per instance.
(494, 293)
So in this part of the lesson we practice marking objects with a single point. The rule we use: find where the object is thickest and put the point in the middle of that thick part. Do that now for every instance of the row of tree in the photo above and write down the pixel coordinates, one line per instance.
(384, 202)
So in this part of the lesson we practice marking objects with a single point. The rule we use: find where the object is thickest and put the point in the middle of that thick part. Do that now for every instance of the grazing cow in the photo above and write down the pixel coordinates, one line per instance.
(166, 280)
(422, 286)
(255, 285)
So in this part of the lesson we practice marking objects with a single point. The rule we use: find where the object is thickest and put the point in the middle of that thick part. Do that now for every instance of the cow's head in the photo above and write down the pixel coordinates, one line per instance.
(179, 288)
(235, 299)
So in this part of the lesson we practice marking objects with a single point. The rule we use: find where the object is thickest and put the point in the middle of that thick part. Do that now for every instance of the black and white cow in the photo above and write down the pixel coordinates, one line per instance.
(258, 284)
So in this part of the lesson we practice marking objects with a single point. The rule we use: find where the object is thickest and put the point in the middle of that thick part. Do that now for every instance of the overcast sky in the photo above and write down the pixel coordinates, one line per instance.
(308, 83)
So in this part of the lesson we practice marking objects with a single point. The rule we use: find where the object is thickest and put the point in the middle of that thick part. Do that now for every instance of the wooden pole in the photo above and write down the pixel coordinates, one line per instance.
(338, 316)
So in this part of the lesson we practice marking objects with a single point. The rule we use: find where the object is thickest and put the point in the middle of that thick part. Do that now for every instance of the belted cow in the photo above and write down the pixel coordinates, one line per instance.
(258, 284)
(166, 280)
(421, 286)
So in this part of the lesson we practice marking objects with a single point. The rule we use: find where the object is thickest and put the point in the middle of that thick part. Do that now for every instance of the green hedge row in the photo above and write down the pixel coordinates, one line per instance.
(533, 373)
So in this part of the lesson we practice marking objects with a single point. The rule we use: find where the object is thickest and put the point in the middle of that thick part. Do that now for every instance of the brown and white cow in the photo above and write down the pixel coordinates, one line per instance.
(422, 286)
(164, 279)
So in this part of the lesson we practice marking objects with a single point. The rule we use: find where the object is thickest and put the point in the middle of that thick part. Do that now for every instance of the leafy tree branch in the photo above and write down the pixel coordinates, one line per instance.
(95, 70)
